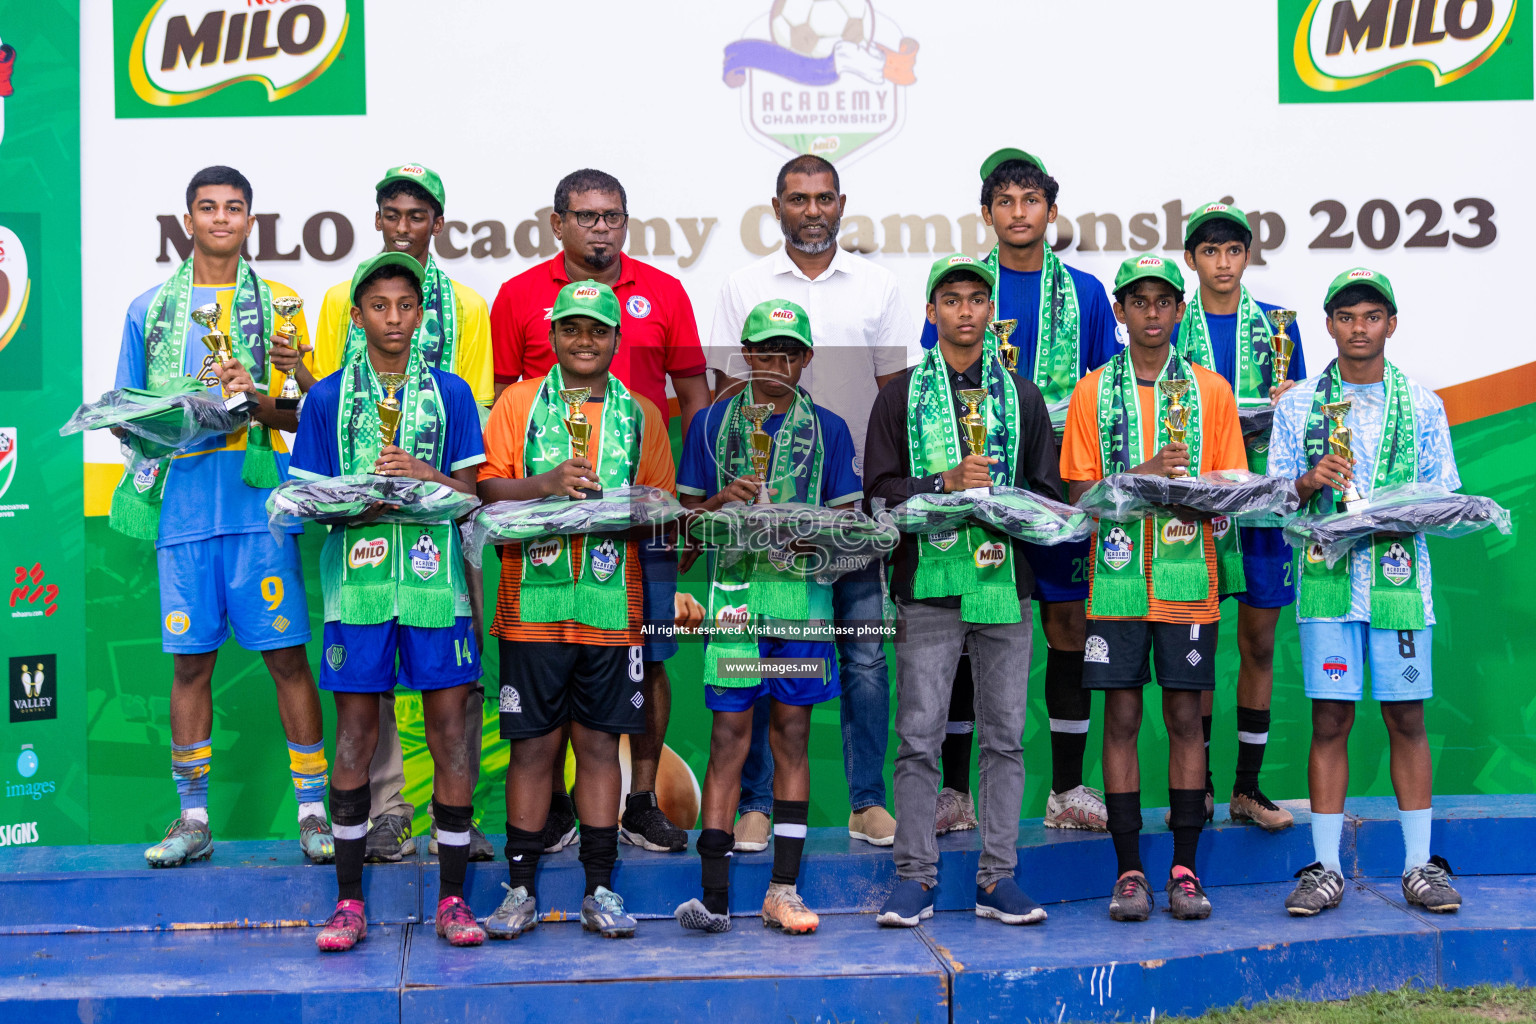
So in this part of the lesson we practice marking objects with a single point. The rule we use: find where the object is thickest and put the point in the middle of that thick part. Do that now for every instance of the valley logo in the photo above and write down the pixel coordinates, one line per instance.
(238, 58)
(1393, 51)
(822, 76)
(34, 688)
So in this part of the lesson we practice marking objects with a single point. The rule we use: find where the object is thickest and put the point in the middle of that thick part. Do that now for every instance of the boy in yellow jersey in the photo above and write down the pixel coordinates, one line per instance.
(455, 336)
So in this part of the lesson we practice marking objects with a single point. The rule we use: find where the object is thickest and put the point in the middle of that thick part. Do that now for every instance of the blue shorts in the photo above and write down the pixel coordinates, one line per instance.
(361, 659)
(1268, 565)
(1333, 656)
(658, 594)
(243, 582)
(1061, 570)
(797, 690)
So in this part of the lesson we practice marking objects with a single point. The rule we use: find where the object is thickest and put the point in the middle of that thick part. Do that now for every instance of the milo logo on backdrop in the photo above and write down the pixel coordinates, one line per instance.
(233, 58)
(1387, 51)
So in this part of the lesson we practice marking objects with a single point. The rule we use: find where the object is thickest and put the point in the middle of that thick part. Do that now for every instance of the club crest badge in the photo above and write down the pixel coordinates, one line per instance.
(511, 701)
(1397, 564)
(425, 557)
(144, 476)
(944, 539)
(336, 656)
(605, 561)
(1118, 548)
(638, 306)
(1335, 667)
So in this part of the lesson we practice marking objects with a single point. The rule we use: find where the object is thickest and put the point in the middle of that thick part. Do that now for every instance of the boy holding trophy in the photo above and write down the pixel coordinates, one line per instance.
(568, 612)
(769, 443)
(1153, 594)
(388, 413)
(1359, 425)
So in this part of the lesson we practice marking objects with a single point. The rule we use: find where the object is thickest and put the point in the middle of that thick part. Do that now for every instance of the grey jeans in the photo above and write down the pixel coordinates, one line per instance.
(925, 673)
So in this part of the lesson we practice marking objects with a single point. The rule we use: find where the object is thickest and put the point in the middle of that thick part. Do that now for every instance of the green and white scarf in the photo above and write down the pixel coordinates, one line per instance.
(1058, 341)
(136, 501)
(1397, 598)
(551, 589)
(1179, 571)
(380, 578)
(976, 562)
(437, 338)
(1254, 360)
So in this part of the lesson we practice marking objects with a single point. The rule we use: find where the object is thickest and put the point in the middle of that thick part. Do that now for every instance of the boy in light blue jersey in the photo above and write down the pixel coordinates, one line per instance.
(221, 572)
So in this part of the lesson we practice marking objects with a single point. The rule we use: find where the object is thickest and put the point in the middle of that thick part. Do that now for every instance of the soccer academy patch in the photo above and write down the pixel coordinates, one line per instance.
(944, 539)
(638, 306)
(605, 560)
(336, 656)
(781, 559)
(1118, 548)
(425, 557)
(144, 476)
(1096, 650)
(511, 702)
(1397, 564)
(177, 623)
(1335, 667)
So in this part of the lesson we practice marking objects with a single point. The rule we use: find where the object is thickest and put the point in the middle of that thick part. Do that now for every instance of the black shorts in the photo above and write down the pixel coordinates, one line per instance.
(1115, 657)
(546, 684)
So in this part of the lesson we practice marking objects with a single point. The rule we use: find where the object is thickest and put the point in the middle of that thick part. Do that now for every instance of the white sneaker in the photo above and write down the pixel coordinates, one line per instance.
(956, 812)
(1077, 808)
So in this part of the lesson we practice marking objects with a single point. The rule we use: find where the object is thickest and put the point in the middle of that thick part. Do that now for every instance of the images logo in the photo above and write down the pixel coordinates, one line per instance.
(34, 690)
(368, 551)
(200, 58)
(821, 76)
(15, 285)
(1364, 51)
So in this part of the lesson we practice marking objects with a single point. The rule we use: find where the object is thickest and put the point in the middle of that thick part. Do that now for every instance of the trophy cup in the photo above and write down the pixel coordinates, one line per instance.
(244, 403)
(975, 432)
(1339, 443)
(287, 307)
(1177, 419)
(389, 410)
(1280, 343)
(580, 427)
(1008, 353)
(762, 447)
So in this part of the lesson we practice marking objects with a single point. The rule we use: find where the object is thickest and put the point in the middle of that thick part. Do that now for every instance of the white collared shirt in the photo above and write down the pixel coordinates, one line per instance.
(861, 326)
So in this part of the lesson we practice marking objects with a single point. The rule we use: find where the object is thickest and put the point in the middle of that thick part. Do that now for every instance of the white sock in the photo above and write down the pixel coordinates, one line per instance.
(195, 814)
(1327, 830)
(1415, 837)
(313, 807)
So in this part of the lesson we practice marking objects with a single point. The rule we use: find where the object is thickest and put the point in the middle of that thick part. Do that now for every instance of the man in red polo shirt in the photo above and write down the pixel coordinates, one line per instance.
(658, 338)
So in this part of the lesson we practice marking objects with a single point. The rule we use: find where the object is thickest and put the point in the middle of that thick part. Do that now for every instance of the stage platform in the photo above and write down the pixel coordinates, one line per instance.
(90, 934)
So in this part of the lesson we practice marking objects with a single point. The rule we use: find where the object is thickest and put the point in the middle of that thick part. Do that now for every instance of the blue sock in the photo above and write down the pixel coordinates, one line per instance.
(1327, 830)
(1415, 838)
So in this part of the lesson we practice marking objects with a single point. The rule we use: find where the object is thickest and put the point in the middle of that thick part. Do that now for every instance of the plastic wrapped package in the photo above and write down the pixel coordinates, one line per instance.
(824, 544)
(342, 498)
(158, 422)
(1402, 508)
(620, 508)
(1012, 510)
(1256, 419)
(1246, 497)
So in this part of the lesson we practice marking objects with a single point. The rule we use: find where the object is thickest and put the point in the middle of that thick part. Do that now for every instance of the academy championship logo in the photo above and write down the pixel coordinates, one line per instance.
(822, 76)
(1397, 564)
(15, 285)
(368, 551)
(425, 557)
(1117, 548)
(605, 560)
(203, 58)
(1386, 51)
(944, 539)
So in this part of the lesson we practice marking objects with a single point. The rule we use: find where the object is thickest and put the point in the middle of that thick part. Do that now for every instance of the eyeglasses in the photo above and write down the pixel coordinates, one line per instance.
(588, 218)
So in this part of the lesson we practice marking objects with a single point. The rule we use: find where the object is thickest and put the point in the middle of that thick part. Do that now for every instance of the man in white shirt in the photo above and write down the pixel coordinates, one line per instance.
(861, 324)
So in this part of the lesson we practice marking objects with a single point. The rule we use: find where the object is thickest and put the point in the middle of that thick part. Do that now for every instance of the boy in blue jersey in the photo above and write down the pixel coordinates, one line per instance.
(205, 509)
(1227, 330)
(1065, 328)
(811, 462)
(386, 604)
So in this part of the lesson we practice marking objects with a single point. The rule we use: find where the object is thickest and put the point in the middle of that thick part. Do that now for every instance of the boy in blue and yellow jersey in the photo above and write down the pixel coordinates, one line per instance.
(205, 508)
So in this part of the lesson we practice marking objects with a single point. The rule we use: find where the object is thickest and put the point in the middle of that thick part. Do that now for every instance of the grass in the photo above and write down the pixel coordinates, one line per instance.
(1404, 1006)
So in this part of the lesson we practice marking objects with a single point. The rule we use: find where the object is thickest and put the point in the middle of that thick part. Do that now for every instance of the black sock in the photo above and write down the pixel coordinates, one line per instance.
(562, 803)
(523, 851)
(1124, 813)
(1252, 736)
(1186, 816)
(349, 828)
(960, 733)
(715, 846)
(1068, 706)
(1205, 726)
(789, 818)
(452, 846)
(599, 851)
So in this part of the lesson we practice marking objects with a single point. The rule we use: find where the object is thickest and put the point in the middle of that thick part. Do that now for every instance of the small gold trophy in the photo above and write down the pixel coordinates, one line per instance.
(1340, 442)
(580, 427)
(1008, 353)
(287, 307)
(975, 431)
(762, 447)
(244, 403)
(389, 410)
(1281, 343)
(1177, 418)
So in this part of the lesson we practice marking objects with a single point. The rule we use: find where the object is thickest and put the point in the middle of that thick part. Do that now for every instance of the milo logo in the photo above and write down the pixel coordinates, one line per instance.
(1151, 261)
(585, 291)
(415, 170)
(991, 555)
(783, 316)
(732, 617)
(545, 552)
(1314, 552)
(368, 551)
(1216, 208)
(1177, 531)
(944, 539)
(1220, 525)
(955, 260)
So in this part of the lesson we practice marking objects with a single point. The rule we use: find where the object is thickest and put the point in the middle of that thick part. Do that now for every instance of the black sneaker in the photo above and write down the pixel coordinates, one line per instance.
(1186, 898)
(1317, 889)
(389, 840)
(644, 825)
(1132, 900)
(1429, 886)
(559, 826)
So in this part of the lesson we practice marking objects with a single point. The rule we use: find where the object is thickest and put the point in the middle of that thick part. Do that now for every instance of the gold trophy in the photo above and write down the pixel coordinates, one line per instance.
(389, 410)
(1008, 353)
(1339, 443)
(244, 403)
(1280, 343)
(580, 427)
(975, 431)
(762, 447)
(1177, 418)
(287, 307)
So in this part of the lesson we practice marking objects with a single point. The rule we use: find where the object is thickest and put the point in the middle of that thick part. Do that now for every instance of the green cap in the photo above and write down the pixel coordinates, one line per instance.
(587, 298)
(385, 259)
(777, 318)
(1215, 211)
(1361, 275)
(416, 174)
(958, 261)
(1137, 267)
(992, 162)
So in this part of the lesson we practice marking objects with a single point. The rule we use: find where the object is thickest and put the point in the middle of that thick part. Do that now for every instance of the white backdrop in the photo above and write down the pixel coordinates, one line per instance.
(1132, 106)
